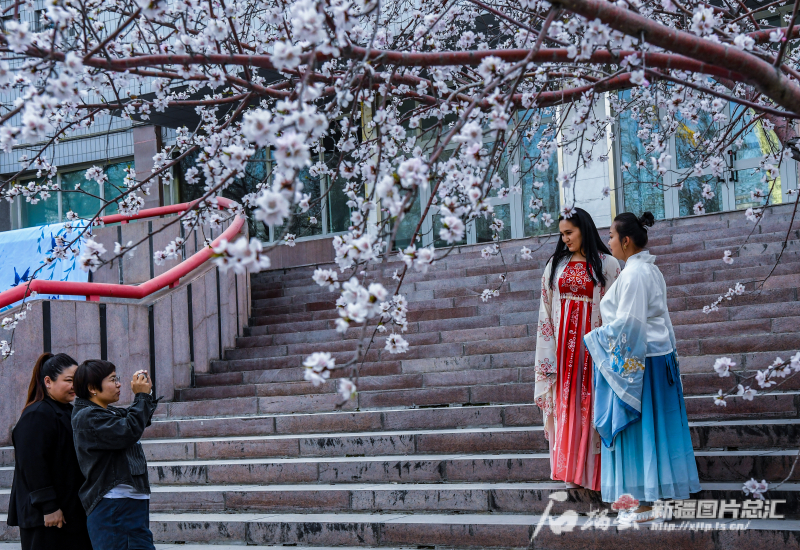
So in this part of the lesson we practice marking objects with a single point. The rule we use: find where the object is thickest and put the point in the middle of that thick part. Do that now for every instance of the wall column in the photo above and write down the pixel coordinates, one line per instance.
(146, 143)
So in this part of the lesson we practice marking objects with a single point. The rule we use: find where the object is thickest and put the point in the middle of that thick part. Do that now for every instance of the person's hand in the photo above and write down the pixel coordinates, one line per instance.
(141, 382)
(56, 519)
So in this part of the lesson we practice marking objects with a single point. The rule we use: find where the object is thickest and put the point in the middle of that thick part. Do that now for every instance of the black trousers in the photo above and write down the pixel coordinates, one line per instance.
(52, 538)
(121, 524)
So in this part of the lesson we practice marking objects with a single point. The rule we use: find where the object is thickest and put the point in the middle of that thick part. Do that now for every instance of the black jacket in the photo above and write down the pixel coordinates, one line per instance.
(108, 448)
(47, 476)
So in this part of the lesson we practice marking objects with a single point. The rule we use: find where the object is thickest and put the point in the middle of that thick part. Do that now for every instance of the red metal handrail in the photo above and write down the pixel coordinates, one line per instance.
(93, 291)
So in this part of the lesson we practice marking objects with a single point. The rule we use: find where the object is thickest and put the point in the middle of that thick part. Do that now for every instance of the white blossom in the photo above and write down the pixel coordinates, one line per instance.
(746, 393)
(272, 207)
(755, 488)
(396, 344)
(744, 42)
(452, 229)
(5, 349)
(286, 56)
(242, 256)
(346, 389)
(723, 366)
(90, 258)
(727, 257)
(326, 277)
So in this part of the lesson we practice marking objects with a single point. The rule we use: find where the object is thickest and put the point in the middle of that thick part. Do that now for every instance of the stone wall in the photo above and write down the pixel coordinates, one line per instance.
(75, 328)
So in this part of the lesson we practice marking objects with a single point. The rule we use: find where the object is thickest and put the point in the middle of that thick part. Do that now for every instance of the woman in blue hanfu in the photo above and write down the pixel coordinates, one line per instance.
(639, 411)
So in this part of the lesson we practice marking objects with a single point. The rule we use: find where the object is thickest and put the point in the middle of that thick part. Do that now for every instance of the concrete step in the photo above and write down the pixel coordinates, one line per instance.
(738, 320)
(715, 466)
(755, 433)
(779, 289)
(717, 434)
(692, 364)
(452, 530)
(441, 396)
(334, 343)
(731, 236)
(460, 291)
(693, 384)
(710, 344)
(437, 285)
(472, 497)
(754, 257)
(513, 309)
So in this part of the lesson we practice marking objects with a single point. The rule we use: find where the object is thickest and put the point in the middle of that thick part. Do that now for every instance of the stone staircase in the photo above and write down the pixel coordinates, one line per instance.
(442, 446)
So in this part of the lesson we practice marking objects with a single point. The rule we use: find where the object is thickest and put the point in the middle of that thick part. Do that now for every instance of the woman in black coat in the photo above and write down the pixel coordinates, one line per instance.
(44, 500)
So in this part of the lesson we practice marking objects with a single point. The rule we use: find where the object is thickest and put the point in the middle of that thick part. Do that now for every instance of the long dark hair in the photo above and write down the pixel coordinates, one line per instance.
(46, 365)
(592, 246)
(629, 225)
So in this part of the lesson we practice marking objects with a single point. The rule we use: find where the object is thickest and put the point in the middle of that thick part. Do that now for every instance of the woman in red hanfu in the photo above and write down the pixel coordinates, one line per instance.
(574, 280)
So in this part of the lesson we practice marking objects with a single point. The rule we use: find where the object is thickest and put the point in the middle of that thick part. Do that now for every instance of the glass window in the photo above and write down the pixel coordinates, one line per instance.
(690, 137)
(408, 225)
(755, 142)
(114, 186)
(42, 213)
(692, 194)
(437, 226)
(301, 222)
(642, 187)
(190, 191)
(80, 195)
(545, 178)
(746, 182)
(483, 231)
(501, 169)
(258, 170)
(338, 211)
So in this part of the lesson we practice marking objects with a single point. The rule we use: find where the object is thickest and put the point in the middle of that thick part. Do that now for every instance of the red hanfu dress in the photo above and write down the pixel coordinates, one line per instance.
(564, 369)
(573, 445)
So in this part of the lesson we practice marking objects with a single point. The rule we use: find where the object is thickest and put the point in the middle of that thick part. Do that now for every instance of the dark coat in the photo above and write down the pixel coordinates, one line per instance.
(108, 448)
(47, 476)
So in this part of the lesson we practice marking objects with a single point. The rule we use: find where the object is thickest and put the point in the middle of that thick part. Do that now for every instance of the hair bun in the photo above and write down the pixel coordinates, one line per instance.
(647, 220)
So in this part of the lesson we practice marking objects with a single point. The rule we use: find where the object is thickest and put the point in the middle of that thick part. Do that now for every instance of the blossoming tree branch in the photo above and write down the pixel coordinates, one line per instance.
(401, 97)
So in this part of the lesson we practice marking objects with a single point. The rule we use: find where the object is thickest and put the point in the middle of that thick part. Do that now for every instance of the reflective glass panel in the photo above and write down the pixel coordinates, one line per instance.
(691, 137)
(483, 233)
(42, 213)
(307, 224)
(642, 186)
(746, 182)
(755, 142)
(545, 178)
(114, 186)
(80, 195)
(437, 226)
(407, 225)
(691, 194)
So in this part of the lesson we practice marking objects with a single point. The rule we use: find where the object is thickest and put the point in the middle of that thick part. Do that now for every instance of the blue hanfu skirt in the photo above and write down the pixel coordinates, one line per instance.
(652, 458)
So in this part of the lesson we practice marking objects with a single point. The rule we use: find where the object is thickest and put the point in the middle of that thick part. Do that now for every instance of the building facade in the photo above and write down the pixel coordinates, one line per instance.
(612, 184)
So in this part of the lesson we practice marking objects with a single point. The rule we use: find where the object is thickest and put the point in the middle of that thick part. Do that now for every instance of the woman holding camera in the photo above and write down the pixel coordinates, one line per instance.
(116, 494)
